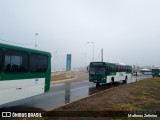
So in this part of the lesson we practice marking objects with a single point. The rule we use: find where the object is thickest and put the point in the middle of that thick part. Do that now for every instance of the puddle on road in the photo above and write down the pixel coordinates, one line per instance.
(71, 95)
(78, 93)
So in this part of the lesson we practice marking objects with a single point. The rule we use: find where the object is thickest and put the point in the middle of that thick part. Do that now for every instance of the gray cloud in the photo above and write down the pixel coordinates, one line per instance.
(128, 31)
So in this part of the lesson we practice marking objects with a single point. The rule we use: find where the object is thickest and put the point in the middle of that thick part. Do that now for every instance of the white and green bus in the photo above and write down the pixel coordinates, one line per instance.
(156, 72)
(23, 73)
(103, 72)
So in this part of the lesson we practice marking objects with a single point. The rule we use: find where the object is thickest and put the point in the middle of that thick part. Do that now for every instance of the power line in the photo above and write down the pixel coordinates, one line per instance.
(15, 42)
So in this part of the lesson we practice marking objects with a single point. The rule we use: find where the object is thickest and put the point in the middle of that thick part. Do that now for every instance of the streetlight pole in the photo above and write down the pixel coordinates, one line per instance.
(36, 40)
(93, 49)
(102, 55)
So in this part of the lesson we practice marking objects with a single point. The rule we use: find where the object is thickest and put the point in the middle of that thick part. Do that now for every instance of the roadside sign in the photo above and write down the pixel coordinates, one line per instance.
(68, 66)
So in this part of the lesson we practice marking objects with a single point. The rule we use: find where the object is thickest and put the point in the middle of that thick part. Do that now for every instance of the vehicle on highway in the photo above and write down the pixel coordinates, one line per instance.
(23, 72)
(137, 74)
(103, 72)
(156, 72)
(146, 71)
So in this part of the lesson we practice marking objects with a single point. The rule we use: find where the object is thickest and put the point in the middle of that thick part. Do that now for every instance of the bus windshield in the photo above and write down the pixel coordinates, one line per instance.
(97, 70)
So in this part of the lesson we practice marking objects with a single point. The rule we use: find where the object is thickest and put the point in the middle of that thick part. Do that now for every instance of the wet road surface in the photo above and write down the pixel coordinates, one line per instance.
(62, 93)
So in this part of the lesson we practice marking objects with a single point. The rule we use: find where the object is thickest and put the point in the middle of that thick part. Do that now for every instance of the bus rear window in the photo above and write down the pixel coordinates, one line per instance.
(38, 62)
(15, 61)
(0, 60)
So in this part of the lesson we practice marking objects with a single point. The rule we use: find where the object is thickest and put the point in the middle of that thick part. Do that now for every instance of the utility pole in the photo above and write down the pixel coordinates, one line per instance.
(102, 55)
(36, 40)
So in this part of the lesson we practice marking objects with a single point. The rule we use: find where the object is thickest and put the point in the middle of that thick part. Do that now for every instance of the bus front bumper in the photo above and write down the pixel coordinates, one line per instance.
(97, 79)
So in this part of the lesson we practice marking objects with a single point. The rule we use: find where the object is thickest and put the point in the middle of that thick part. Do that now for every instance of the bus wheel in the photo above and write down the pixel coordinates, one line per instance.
(125, 81)
(97, 84)
(112, 81)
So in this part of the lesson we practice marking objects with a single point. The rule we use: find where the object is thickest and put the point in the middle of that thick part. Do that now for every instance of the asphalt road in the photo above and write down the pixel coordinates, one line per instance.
(62, 93)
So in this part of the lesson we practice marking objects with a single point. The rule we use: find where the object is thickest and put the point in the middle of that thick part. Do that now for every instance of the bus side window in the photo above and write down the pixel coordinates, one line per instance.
(111, 68)
(0, 60)
(117, 68)
(114, 68)
(121, 68)
(107, 70)
(38, 62)
(14, 59)
(130, 70)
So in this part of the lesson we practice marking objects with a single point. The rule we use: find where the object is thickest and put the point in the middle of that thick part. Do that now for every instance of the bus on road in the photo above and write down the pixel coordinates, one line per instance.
(156, 72)
(103, 73)
(23, 73)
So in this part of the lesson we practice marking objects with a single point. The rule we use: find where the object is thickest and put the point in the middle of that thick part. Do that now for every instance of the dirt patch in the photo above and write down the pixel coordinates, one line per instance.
(77, 75)
(61, 77)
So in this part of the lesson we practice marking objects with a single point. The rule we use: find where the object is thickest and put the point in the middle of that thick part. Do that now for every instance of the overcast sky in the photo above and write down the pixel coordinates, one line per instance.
(127, 30)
